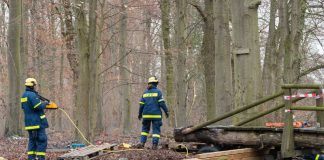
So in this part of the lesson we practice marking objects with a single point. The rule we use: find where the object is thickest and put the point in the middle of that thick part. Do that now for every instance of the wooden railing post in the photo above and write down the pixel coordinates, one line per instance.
(287, 143)
(319, 103)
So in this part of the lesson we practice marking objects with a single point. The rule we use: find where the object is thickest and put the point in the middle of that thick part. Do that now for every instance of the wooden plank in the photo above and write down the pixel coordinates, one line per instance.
(86, 152)
(224, 153)
(247, 154)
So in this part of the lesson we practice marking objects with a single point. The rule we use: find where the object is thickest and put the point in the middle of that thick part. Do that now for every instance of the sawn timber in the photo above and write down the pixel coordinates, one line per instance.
(252, 136)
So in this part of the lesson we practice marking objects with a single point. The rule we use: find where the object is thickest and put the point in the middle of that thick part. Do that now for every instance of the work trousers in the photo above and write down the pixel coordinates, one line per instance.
(156, 125)
(37, 144)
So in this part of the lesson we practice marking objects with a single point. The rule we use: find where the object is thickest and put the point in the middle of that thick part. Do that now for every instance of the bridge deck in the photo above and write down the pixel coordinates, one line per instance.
(252, 136)
(263, 129)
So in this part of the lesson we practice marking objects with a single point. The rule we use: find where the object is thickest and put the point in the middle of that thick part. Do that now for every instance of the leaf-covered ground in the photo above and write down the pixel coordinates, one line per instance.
(146, 154)
(14, 148)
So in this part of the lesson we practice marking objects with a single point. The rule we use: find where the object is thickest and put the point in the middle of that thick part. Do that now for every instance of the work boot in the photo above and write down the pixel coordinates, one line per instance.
(155, 146)
(140, 145)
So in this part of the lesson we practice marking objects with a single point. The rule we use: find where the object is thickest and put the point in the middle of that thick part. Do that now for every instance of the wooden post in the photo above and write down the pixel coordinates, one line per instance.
(287, 142)
(319, 103)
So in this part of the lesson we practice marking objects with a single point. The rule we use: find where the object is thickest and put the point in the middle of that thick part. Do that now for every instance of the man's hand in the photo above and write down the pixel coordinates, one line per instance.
(167, 115)
(46, 103)
(139, 117)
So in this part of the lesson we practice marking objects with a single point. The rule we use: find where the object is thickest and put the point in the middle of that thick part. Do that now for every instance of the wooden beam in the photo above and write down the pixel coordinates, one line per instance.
(307, 108)
(235, 154)
(231, 113)
(268, 111)
(302, 86)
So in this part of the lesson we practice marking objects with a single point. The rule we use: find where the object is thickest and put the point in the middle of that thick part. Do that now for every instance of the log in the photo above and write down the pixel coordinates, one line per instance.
(251, 137)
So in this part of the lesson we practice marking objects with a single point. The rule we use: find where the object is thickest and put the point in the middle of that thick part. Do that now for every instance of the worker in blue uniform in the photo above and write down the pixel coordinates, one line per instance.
(35, 121)
(150, 111)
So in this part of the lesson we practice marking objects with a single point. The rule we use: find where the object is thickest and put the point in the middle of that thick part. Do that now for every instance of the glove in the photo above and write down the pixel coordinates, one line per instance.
(139, 117)
(167, 115)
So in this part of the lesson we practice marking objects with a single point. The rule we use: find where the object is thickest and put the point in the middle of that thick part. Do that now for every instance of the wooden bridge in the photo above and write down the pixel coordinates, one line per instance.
(286, 141)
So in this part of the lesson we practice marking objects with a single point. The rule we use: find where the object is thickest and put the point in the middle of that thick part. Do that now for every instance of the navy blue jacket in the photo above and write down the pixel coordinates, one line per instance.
(151, 103)
(34, 110)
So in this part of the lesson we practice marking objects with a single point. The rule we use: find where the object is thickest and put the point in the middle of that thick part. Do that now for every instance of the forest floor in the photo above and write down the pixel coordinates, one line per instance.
(14, 148)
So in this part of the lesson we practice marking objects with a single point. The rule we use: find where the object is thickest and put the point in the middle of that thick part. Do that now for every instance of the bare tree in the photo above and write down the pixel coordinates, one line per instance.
(14, 124)
(124, 77)
(165, 11)
(181, 118)
(246, 50)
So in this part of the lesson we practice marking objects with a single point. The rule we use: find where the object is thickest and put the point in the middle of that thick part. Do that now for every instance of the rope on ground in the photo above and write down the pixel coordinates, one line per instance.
(187, 154)
(82, 135)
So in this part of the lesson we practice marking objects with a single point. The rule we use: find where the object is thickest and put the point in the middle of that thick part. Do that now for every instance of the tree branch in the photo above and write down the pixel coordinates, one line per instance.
(106, 69)
(310, 70)
(200, 11)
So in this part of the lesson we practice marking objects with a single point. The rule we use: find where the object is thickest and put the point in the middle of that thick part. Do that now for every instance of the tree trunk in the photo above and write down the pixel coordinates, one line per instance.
(124, 77)
(208, 54)
(93, 59)
(181, 114)
(82, 107)
(272, 68)
(14, 124)
(292, 59)
(165, 10)
(269, 67)
(247, 70)
(51, 77)
(72, 55)
(223, 76)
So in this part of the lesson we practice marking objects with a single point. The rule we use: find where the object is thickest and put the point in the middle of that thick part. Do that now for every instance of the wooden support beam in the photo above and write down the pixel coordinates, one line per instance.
(302, 86)
(231, 113)
(268, 111)
(320, 104)
(307, 108)
(287, 144)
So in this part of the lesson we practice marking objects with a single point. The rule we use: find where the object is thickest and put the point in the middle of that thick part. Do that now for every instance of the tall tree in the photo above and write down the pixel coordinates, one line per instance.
(123, 73)
(13, 125)
(247, 70)
(82, 98)
(165, 10)
(223, 75)
(51, 77)
(270, 68)
(208, 54)
(293, 55)
(93, 61)
(180, 27)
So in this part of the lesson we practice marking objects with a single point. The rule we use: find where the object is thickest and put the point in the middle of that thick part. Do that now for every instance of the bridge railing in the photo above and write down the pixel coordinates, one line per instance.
(287, 143)
(287, 146)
